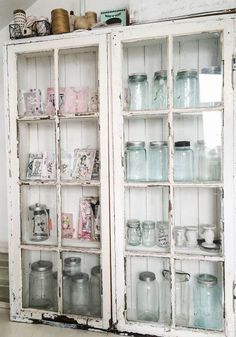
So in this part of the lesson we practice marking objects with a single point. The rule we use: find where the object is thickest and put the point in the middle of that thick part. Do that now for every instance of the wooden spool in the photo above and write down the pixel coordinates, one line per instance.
(60, 21)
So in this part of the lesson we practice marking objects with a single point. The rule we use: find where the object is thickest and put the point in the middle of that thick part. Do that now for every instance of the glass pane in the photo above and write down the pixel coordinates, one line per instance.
(197, 70)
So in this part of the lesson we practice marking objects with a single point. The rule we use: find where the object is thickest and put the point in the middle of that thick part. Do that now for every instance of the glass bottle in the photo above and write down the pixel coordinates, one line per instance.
(159, 94)
(183, 161)
(186, 89)
(80, 294)
(39, 219)
(147, 297)
(133, 232)
(135, 161)
(208, 313)
(158, 161)
(138, 92)
(72, 266)
(95, 291)
(41, 294)
(162, 234)
(148, 233)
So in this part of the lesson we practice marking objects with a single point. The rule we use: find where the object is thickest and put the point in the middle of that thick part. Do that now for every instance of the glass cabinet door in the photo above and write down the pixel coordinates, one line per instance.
(171, 127)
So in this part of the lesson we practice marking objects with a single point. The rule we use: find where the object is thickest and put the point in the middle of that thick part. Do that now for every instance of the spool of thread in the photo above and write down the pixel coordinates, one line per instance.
(91, 18)
(81, 22)
(60, 21)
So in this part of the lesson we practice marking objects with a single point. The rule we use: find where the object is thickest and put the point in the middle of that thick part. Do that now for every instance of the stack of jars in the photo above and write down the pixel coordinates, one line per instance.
(148, 234)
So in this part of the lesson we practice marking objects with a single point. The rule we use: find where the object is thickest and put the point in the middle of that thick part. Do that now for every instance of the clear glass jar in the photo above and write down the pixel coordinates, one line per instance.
(38, 216)
(135, 161)
(186, 89)
(162, 234)
(80, 294)
(148, 233)
(138, 92)
(208, 312)
(41, 283)
(72, 266)
(133, 232)
(147, 297)
(181, 297)
(183, 161)
(208, 162)
(158, 161)
(95, 292)
(159, 93)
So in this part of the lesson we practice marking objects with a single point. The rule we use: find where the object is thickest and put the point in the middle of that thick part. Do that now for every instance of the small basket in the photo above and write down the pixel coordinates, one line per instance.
(42, 28)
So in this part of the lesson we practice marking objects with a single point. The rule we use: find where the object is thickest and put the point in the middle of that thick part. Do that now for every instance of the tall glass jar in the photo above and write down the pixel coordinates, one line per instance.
(72, 266)
(133, 232)
(39, 219)
(159, 93)
(183, 161)
(158, 161)
(208, 161)
(80, 293)
(162, 234)
(95, 291)
(148, 233)
(135, 161)
(147, 297)
(186, 89)
(138, 92)
(41, 285)
(208, 313)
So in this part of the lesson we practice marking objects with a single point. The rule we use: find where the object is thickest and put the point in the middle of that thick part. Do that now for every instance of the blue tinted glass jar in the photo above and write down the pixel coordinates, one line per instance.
(138, 92)
(135, 161)
(186, 89)
(158, 161)
(183, 161)
(159, 92)
(133, 232)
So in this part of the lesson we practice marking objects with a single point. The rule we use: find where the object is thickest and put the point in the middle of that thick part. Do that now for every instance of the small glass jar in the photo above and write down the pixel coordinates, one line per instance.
(133, 232)
(80, 294)
(183, 161)
(41, 283)
(159, 94)
(158, 161)
(39, 222)
(138, 92)
(135, 161)
(208, 313)
(148, 233)
(162, 234)
(72, 266)
(186, 89)
(147, 297)
(95, 292)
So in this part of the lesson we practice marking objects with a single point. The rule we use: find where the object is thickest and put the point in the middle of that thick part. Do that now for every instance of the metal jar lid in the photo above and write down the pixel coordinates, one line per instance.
(183, 143)
(38, 207)
(180, 276)
(211, 70)
(147, 276)
(135, 144)
(148, 224)
(96, 271)
(154, 144)
(72, 261)
(80, 278)
(133, 223)
(207, 280)
(192, 73)
(138, 77)
(160, 74)
(41, 266)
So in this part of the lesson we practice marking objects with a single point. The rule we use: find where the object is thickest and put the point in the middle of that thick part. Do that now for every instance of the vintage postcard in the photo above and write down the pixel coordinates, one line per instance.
(83, 164)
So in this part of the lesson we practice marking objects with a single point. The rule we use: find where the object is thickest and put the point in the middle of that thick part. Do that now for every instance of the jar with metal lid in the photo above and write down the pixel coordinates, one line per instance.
(138, 92)
(72, 266)
(182, 295)
(135, 161)
(147, 297)
(183, 161)
(208, 312)
(41, 285)
(186, 89)
(162, 234)
(158, 161)
(96, 292)
(80, 294)
(38, 217)
(212, 80)
(148, 233)
(159, 92)
(133, 232)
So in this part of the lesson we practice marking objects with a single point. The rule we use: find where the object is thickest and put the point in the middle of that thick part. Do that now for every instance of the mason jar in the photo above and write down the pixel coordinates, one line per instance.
(183, 161)
(186, 89)
(162, 234)
(135, 161)
(95, 292)
(147, 297)
(148, 233)
(72, 266)
(158, 161)
(208, 161)
(208, 312)
(138, 92)
(39, 222)
(133, 232)
(41, 295)
(159, 92)
(80, 294)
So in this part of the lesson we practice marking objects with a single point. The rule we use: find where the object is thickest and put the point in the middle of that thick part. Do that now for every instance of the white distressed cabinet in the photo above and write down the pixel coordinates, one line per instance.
(102, 60)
